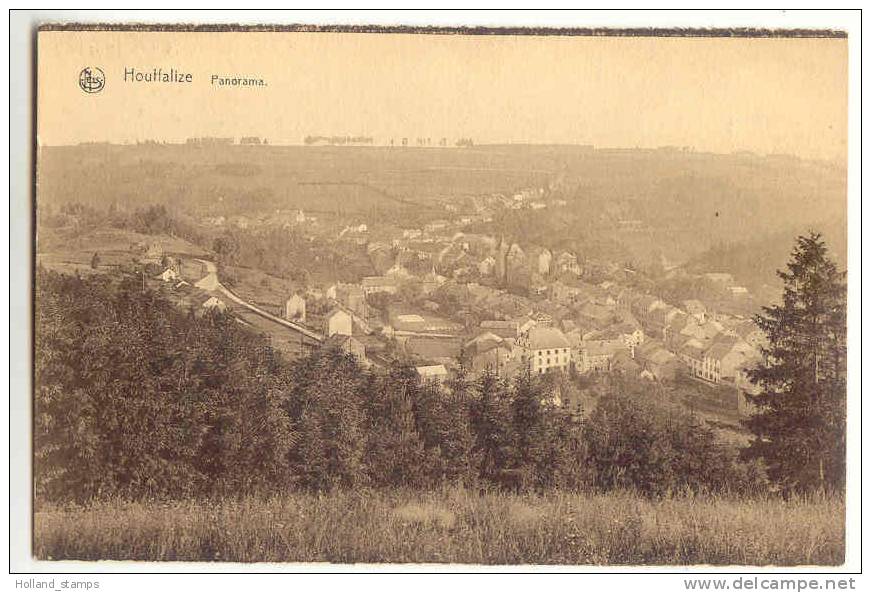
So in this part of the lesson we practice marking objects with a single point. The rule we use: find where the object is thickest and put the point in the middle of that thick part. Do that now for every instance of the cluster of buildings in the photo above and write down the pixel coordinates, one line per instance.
(197, 297)
(507, 306)
(562, 323)
(607, 327)
(712, 351)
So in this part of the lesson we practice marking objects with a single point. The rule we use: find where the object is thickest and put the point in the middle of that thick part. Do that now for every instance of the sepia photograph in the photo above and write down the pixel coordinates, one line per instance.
(444, 296)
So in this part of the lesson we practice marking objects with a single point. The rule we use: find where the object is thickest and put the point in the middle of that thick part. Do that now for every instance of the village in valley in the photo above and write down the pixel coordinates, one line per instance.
(453, 295)
(459, 292)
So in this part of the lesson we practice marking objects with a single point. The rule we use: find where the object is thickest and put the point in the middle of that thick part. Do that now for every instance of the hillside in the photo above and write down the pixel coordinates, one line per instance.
(677, 204)
(753, 263)
(238, 179)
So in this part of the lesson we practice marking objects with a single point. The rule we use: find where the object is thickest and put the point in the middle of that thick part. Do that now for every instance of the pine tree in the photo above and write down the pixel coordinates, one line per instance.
(529, 426)
(490, 422)
(395, 453)
(325, 407)
(456, 437)
(800, 418)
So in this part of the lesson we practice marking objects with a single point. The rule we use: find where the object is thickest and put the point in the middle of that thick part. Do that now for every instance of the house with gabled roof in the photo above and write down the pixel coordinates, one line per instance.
(596, 355)
(488, 351)
(350, 296)
(727, 358)
(348, 345)
(695, 308)
(378, 284)
(673, 329)
(168, 275)
(658, 361)
(338, 321)
(568, 262)
(294, 308)
(751, 333)
(546, 348)
(204, 302)
(692, 353)
(503, 328)
(599, 316)
(623, 363)
(658, 318)
(487, 266)
(630, 335)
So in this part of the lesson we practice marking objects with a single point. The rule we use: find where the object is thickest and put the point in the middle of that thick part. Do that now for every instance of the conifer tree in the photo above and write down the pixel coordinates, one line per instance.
(490, 423)
(326, 404)
(395, 452)
(800, 412)
(528, 425)
(456, 437)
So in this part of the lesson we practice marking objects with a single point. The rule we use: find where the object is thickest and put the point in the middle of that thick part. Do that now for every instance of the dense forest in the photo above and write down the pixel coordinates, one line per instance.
(136, 399)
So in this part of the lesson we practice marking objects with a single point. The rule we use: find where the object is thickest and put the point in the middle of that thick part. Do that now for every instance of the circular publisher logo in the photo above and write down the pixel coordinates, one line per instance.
(92, 79)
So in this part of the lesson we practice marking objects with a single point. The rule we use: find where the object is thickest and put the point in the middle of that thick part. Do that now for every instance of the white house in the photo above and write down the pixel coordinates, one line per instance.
(294, 308)
(544, 259)
(487, 266)
(214, 303)
(376, 284)
(547, 348)
(338, 321)
(568, 262)
(168, 275)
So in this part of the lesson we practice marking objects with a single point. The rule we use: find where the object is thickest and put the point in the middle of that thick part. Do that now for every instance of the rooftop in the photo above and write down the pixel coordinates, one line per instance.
(335, 311)
(719, 350)
(378, 281)
(434, 370)
(601, 348)
(541, 337)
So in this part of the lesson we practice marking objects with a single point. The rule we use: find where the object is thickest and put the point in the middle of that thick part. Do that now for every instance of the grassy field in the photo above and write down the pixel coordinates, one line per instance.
(70, 250)
(452, 527)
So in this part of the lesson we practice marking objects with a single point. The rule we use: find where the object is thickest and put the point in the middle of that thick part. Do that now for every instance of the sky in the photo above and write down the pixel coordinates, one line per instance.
(786, 96)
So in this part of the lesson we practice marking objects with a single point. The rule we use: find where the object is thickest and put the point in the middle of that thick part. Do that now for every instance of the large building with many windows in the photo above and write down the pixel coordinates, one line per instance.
(546, 349)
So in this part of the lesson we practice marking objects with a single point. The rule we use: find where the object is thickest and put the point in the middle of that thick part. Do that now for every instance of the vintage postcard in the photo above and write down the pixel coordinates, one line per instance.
(552, 297)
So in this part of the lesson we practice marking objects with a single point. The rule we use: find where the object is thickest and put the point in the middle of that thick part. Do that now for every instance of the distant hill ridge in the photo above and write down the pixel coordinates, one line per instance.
(685, 201)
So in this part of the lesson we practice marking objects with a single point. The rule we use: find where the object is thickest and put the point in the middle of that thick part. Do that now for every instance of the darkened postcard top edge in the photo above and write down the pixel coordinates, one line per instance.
(741, 32)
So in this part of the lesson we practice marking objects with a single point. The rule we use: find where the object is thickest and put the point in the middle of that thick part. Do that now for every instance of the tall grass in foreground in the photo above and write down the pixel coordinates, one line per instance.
(452, 526)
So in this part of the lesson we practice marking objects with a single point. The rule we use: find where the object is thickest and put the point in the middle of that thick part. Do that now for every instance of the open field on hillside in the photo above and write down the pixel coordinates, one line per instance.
(321, 180)
(455, 526)
(665, 190)
(684, 203)
(70, 250)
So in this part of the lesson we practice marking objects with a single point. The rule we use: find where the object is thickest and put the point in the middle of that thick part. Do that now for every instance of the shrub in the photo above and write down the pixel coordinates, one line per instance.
(634, 441)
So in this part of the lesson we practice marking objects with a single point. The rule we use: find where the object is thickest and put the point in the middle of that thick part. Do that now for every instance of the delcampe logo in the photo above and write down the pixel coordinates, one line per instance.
(92, 79)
